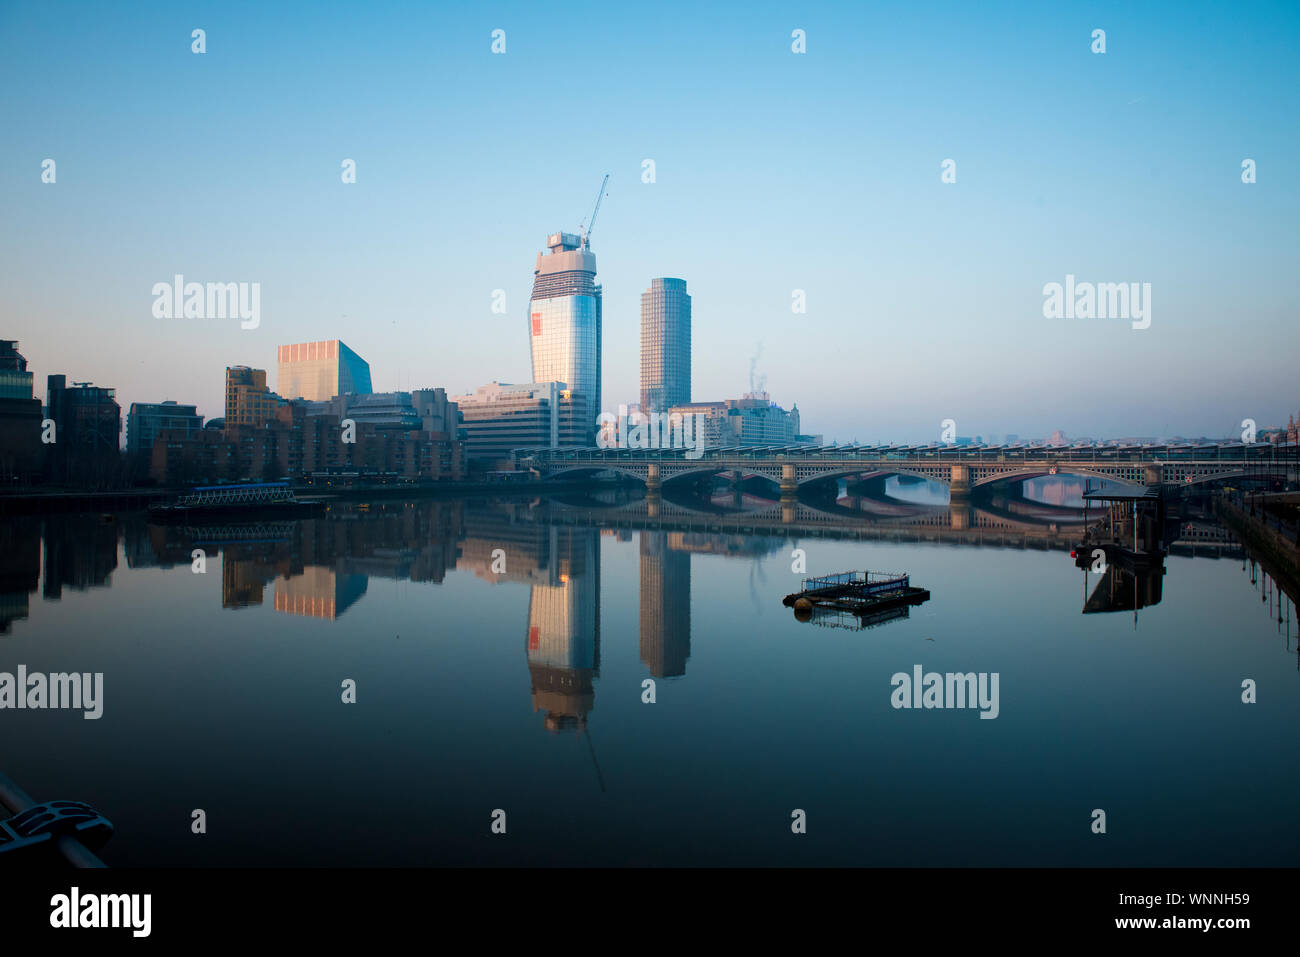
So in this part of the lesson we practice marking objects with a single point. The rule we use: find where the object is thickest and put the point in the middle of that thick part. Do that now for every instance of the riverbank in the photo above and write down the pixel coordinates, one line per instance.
(1269, 544)
(50, 501)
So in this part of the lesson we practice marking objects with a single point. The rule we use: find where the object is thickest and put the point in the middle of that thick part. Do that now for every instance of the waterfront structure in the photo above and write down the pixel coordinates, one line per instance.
(317, 371)
(88, 428)
(22, 457)
(145, 420)
(565, 320)
(665, 345)
(386, 441)
(499, 417)
(248, 401)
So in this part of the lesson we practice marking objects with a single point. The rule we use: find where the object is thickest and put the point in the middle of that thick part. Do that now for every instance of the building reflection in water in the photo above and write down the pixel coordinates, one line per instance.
(319, 592)
(564, 629)
(665, 604)
(80, 553)
(20, 568)
(321, 567)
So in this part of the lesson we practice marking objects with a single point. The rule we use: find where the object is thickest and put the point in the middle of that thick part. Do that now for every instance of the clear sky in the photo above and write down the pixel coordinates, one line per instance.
(775, 171)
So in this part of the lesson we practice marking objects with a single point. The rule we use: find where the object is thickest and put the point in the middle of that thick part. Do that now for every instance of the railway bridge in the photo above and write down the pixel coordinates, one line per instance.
(961, 468)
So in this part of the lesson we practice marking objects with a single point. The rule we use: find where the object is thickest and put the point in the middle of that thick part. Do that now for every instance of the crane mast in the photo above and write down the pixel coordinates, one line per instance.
(586, 232)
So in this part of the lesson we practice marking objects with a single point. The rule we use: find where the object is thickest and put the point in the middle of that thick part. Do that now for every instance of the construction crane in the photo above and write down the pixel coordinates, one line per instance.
(586, 232)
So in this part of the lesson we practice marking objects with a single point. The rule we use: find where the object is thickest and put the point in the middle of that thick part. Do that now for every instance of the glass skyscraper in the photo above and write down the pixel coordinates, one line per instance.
(665, 345)
(564, 320)
(319, 371)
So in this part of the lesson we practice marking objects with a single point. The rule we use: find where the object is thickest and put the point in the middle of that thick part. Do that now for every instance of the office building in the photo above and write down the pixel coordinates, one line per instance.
(424, 409)
(317, 371)
(753, 419)
(665, 345)
(498, 418)
(145, 420)
(387, 441)
(88, 429)
(565, 321)
(22, 455)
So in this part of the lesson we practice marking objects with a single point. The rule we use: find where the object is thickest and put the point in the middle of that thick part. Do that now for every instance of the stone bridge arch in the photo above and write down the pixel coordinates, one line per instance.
(1033, 472)
(807, 475)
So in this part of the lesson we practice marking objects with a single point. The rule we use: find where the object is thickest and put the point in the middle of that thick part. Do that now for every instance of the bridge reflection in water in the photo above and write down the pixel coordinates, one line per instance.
(321, 567)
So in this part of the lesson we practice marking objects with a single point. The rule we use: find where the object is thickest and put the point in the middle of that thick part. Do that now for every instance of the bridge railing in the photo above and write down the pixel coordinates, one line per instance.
(1257, 454)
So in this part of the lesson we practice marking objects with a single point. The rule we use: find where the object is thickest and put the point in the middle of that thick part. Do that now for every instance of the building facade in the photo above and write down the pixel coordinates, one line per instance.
(423, 409)
(665, 345)
(317, 371)
(87, 429)
(248, 401)
(751, 420)
(145, 420)
(565, 320)
(499, 417)
(385, 441)
(22, 458)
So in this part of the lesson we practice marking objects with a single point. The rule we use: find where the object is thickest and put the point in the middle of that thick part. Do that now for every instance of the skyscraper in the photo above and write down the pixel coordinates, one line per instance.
(665, 345)
(320, 370)
(564, 313)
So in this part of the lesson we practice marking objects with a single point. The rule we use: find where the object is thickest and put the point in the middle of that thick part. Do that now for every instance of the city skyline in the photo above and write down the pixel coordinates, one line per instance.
(825, 180)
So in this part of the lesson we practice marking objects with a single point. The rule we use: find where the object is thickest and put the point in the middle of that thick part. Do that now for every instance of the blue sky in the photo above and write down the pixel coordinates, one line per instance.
(775, 172)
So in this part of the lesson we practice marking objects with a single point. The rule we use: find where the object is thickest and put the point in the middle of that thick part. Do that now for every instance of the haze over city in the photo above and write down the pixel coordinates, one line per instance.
(773, 173)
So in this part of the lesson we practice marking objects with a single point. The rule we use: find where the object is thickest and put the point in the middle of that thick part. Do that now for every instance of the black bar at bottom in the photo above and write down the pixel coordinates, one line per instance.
(496, 905)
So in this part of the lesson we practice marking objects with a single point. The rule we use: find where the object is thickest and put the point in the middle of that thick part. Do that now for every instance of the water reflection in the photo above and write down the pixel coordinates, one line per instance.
(564, 629)
(665, 604)
(518, 616)
(320, 568)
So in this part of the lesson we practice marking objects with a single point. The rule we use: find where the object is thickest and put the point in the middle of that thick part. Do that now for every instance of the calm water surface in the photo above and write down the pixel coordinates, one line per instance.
(499, 651)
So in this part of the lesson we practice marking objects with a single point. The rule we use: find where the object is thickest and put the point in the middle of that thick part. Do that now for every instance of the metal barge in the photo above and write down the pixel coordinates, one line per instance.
(222, 503)
(861, 593)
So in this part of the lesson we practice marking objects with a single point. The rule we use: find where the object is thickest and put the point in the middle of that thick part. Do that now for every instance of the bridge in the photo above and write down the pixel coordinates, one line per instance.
(964, 524)
(961, 468)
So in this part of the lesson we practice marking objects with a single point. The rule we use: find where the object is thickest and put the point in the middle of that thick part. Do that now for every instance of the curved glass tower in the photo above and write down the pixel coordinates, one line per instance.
(564, 320)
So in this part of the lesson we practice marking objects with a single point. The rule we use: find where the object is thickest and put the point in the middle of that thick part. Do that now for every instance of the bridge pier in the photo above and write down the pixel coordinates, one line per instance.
(789, 484)
(959, 486)
(858, 487)
(652, 481)
(736, 483)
